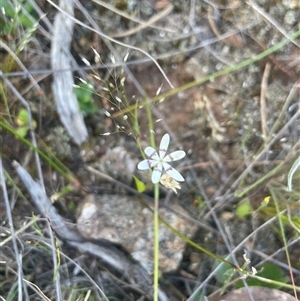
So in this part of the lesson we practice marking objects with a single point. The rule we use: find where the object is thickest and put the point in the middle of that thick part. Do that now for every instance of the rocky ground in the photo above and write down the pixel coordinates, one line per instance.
(240, 130)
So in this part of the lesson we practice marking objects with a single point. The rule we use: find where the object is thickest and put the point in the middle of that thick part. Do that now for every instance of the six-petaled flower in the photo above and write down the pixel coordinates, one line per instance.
(160, 161)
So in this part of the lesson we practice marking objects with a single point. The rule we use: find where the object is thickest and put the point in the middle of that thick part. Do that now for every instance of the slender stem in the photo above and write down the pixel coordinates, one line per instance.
(217, 74)
(282, 230)
(150, 120)
(155, 215)
(156, 241)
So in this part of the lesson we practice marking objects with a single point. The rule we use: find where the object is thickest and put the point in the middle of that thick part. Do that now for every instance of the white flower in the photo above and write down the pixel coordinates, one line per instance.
(159, 161)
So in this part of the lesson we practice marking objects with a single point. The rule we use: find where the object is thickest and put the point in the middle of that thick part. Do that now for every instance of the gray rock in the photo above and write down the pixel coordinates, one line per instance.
(123, 220)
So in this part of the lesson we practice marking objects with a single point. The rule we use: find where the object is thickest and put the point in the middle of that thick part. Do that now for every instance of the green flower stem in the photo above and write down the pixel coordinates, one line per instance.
(190, 242)
(150, 119)
(278, 283)
(155, 215)
(156, 241)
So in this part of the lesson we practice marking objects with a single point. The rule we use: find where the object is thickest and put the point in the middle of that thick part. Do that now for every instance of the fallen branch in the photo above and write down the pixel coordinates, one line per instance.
(63, 82)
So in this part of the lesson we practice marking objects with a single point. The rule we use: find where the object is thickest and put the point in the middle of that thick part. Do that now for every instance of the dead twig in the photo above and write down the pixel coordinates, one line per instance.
(65, 98)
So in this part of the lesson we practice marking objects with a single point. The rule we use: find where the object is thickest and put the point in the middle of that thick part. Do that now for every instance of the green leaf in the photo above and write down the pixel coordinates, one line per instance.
(22, 130)
(224, 271)
(269, 271)
(12, 292)
(140, 186)
(84, 93)
(88, 108)
(243, 208)
(5, 27)
(8, 8)
(72, 206)
(26, 21)
(23, 116)
(28, 7)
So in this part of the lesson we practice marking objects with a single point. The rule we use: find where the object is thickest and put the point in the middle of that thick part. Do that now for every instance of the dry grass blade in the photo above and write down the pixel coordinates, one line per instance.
(20, 64)
(151, 21)
(270, 19)
(22, 288)
(142, 23)
(263, 104)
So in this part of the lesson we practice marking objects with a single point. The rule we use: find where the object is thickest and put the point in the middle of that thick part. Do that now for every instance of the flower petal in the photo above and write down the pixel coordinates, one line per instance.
(156, 174)
(164, 144)
(177, 155)
(172, 172)
(151, 153)
(146, 164)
